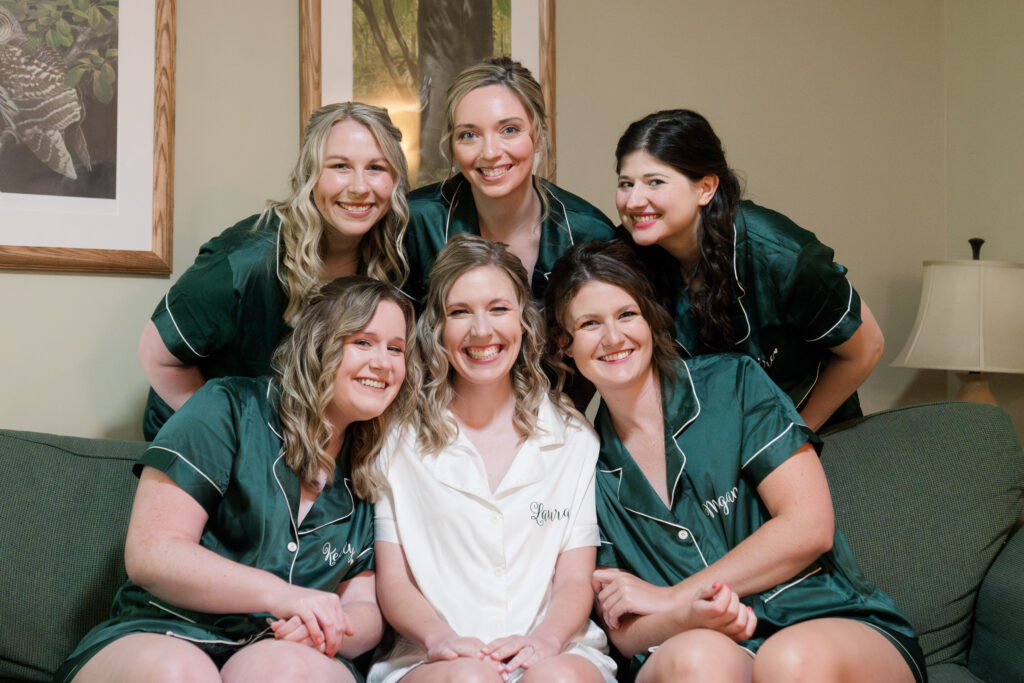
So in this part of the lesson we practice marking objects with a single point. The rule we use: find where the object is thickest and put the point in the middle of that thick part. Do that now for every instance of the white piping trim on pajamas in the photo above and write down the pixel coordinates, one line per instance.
(677, 526)
(167, 307)
(334, 521)
(565, 214)
(291, 518)
(186, 461)
(817, 375)
(170, 611)
(791, 584)
(743, 292)
(849, 304)
(675, 484)
(201, 640)
(760, 450)
(635, 512)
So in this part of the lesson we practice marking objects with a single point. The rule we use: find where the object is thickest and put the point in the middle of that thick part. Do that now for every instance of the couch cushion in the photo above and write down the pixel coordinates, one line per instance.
(64, 505)
(927, 495)
(997, 651)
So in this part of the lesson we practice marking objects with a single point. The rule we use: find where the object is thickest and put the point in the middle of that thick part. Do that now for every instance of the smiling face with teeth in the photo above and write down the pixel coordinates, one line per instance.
(611, 342)
(482, 329)
(492, 143)
(372, 367)
(354, 189)
(659, 205)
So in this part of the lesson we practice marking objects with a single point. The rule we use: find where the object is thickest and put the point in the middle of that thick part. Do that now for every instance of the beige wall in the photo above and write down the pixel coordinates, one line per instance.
(984, 145)
(834, 112)
(69, 340)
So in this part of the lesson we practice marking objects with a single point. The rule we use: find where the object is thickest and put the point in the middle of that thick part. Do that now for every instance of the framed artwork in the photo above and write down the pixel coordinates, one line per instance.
(87, 135)
(403, 54)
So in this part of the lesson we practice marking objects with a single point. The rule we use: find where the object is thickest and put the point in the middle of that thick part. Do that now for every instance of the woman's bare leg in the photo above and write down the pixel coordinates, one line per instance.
(697, 655)
(283, 661)
(149, 658)
(832, 649)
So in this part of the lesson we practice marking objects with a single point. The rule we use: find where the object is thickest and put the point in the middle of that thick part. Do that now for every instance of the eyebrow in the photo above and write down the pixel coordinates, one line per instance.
(342, 157)
(501, 122)
(493, 301)
(646, 175)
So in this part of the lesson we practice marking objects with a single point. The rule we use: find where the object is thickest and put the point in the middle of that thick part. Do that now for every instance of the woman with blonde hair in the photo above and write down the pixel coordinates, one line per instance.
(346, 214)
(484, 522)
(496, 138)
(248, 556)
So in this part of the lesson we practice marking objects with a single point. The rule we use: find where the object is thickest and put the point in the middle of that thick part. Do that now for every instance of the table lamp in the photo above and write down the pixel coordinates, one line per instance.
(971, 320)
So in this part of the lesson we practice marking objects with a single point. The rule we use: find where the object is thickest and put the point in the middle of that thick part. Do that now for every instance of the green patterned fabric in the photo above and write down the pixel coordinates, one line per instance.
(997, 652)
(64, 505)
(921, 468)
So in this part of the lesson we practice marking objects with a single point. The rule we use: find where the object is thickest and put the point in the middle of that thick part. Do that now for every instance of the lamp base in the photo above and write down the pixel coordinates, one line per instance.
(974, 388)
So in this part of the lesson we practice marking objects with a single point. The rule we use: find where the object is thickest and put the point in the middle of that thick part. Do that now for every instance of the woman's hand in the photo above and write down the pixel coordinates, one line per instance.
(620, 593)
(293, 630)
(319, 612)
(513, 652)
(452, 646)
(718, 607)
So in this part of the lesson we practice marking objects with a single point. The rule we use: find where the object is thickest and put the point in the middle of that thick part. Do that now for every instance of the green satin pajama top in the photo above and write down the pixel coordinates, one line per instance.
(438, 211)
(225, 314)
(223, 449)
(791, 301)
(727, 427)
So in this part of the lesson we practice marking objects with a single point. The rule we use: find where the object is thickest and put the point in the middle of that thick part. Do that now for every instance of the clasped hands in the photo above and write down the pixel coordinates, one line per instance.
(506, 654)
(715, 606)
(312, 617)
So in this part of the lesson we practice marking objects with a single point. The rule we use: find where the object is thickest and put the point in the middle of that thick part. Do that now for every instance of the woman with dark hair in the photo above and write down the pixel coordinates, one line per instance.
(719, 558)
(485, 527)
(346, 214)
(496, 138)
(248, 556)
(739, 277)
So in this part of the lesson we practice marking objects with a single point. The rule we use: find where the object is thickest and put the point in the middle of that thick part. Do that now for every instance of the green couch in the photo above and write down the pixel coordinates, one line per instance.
(927, 495)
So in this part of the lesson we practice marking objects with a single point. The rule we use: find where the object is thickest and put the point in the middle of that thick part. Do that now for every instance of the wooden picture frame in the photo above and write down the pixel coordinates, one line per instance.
(127, 215)
(316, 30)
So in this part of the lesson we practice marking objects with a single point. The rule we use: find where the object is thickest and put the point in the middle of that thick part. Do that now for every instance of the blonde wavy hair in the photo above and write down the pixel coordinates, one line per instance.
(302, 226)
(305, 364)
(464, 252)
(517, 78)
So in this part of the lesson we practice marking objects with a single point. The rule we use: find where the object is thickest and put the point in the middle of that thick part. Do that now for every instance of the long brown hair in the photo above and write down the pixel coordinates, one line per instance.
(684, 140)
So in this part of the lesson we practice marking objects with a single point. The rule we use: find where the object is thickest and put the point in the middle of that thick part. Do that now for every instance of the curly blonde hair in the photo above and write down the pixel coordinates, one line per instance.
(464, 252)
(302, 226)
(305, 364)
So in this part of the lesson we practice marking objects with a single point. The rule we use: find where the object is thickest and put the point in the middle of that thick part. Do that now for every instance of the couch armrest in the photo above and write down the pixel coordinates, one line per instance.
(997, 648)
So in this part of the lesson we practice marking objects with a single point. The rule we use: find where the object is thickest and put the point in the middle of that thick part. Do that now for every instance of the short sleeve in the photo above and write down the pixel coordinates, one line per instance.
(196, 448)
(584, 530)
(822, 303)
(772, 428)
(606, 553)
(364, 560)
(384, 527)
(200, 312)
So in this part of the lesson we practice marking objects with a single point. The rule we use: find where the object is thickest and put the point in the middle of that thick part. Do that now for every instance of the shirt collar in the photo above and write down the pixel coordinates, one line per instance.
(680, 408)
(461, 467)
(334, 503)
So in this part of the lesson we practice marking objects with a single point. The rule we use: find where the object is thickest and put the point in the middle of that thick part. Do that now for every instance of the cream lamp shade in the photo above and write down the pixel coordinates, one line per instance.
(970, 319)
